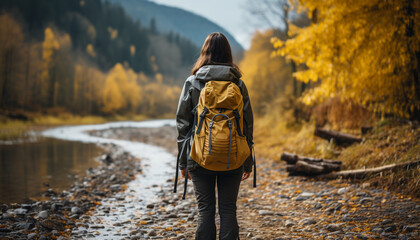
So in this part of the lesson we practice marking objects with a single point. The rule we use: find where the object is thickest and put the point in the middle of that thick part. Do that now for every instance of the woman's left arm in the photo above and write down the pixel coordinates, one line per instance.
(184, 121)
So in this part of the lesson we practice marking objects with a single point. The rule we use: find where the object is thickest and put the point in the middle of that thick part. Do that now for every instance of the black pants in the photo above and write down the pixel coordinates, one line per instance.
(227, 188)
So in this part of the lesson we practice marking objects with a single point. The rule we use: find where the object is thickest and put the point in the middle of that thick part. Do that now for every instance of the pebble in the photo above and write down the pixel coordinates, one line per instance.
(307, 221)
(32, 236)
(343, 190)
(20, 211)
(333, 227)
(377, 230)
(76, 210)
(290, 223)
(265, 212)
(43, 214)
(410, 228)
(152, 233)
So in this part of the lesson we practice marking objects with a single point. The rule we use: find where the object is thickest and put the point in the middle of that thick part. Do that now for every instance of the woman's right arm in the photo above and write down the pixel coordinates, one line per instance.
(184, 121)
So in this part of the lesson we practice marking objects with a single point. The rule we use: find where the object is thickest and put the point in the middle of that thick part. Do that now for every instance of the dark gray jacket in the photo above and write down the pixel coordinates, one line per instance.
(189, 100)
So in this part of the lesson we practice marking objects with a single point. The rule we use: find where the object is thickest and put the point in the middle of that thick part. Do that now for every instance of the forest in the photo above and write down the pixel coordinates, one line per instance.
(87, 58)
(345, 66)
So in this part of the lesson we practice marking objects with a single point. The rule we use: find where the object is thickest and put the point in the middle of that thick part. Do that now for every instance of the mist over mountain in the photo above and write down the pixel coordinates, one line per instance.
(172, 19)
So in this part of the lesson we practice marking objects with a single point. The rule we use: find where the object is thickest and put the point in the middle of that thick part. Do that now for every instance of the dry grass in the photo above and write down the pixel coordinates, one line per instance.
(17, 129)
(389, 142)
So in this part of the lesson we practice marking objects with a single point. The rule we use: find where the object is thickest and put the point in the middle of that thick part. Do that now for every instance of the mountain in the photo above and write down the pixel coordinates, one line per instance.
(172, 19)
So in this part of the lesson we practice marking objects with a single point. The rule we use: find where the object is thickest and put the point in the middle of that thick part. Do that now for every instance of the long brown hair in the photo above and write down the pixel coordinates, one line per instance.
(216, 50)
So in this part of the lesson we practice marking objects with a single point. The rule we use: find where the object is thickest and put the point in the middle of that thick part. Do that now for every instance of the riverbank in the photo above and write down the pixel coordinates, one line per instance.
(23, 126)
(284, 207)
(281, 207)
(56, 216)
(60, 213)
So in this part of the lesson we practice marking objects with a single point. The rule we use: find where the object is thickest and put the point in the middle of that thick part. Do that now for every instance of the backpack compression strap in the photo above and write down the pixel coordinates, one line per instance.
(237, 118)
(230, 134)
(202, 116)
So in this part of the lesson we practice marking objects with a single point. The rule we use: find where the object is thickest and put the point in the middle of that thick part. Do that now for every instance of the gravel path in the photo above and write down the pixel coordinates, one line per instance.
(282, 207)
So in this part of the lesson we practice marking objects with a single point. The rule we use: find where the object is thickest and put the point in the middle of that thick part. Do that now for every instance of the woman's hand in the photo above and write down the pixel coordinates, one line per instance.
(245, 175)
(183, 174)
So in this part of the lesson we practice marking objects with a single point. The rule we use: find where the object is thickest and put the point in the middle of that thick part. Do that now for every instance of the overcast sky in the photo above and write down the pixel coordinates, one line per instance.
(229, 14)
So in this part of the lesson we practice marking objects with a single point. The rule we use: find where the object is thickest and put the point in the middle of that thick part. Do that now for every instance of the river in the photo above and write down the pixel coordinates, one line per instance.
(158, 166)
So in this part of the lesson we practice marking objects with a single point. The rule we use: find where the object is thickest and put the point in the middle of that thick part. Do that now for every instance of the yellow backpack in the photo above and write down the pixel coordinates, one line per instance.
(219, 142)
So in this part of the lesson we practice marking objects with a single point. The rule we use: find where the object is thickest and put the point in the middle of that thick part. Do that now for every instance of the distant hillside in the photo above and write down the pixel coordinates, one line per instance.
(190, 25)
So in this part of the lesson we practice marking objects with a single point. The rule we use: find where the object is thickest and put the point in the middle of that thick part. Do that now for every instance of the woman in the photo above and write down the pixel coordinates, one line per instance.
(215, 63)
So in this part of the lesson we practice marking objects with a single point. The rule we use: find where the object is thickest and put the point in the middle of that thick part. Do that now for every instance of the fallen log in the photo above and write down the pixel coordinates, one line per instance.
(308, 165)
(308, 168)
(362, 173)
(342, 139)
(291, 158)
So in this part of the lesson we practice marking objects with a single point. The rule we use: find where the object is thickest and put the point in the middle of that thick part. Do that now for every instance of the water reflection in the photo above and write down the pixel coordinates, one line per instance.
(29, 168)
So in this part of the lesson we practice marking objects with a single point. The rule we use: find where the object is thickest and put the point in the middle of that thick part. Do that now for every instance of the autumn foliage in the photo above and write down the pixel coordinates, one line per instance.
(363, 51)
(47, 75)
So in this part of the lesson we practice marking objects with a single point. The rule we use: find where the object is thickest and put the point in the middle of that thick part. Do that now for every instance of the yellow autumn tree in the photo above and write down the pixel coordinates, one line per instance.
(49, 45)
(266, 77)
(125, 83)
(112, 99)
(363, 51)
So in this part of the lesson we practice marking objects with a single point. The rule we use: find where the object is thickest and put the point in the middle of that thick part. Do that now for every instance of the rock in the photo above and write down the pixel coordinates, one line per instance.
(333, 227)
(152, 233)
(410, 228)
(29, 226)
(97, 226)
(249, 235)
(150, 205)
(307, 221)
(347, 218)
(76, 210)
(290, 223)
(265, 212)
(43, 238)
(300, 198)
(56, 206)
(20, 211)
(43, 214)
(32, 236)
(318, 206)
(52, 225)
(173, 215)
(390, 229)
(181, 236)
(257, 238)
(386, 221)
(365, 200)
(377, 230)
(343, 190)
(307, 194)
